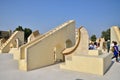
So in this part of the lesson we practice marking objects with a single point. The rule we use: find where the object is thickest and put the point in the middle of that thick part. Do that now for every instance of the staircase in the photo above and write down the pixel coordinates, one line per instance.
(5, 48)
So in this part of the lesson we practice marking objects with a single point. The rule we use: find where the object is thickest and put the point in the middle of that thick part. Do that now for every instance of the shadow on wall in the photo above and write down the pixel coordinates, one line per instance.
(69, 43)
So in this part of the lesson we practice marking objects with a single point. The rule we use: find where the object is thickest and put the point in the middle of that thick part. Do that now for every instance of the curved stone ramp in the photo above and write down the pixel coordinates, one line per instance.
(70, 50)
(11, 42)
(81, 46)
(80, 59)
(115, 34)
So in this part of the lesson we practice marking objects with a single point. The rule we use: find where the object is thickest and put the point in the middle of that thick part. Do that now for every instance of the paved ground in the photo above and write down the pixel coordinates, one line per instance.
(9, 71)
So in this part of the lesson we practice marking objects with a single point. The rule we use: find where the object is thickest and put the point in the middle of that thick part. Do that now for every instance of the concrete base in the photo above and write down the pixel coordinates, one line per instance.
(16, 53)
(95, 52)
(9, 71)
(88, 64)
(22, 65)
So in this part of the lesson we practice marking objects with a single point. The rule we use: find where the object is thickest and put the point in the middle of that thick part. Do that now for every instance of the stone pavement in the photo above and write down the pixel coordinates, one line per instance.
(9, 71)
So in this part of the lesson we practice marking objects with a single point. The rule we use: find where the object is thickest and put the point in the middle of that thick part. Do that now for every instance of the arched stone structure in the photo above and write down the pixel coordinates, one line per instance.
(69, 43)
(58, 56)
(11, 42)
(47, 48)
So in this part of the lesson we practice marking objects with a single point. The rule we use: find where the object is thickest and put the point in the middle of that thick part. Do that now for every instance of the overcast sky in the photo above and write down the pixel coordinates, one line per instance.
(43, 15)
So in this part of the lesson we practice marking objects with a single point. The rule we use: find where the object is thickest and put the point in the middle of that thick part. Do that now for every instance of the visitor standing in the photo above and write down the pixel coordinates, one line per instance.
(108, 46)
(119, 49)
(115, 51)
(104, 45)
(111, 46)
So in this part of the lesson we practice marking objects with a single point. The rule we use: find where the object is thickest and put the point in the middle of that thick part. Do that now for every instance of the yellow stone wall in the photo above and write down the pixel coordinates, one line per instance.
(87, 61)
(47, 49)
(33, 35)
(115, 34)
(12, 43)
(95, 52)
(89, 64)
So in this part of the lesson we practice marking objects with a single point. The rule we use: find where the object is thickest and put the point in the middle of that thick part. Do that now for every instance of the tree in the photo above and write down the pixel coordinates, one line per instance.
(106, 34)
(19, 28)
(93, 38)
(27, 31)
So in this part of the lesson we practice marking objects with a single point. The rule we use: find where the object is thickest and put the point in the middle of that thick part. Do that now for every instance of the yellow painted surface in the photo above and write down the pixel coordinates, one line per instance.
(16, 53)
(95, 52)
(47, 49)
(88, 64)
(33, 35)
(115, 34)
(88, 61)
(11, 42)
(2, 41)
(22, 65)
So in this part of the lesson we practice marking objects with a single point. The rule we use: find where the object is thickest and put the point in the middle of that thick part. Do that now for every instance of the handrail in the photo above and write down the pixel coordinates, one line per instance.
(74, 47)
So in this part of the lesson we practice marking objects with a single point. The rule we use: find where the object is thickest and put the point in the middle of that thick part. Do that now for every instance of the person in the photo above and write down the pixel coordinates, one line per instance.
(119, 49)
(108, 46)
(115, 51)
(111, 46)
(95, 45)
(91, 47)
(99, 43)
(104, 45)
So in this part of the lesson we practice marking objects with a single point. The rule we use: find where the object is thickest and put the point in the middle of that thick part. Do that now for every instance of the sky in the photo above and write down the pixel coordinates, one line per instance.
(44, 15)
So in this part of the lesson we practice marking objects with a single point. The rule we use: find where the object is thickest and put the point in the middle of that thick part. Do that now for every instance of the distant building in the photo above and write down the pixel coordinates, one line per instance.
(5, 34)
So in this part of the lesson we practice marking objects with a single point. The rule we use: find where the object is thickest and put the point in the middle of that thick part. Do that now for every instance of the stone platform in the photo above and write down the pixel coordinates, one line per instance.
(9, 71)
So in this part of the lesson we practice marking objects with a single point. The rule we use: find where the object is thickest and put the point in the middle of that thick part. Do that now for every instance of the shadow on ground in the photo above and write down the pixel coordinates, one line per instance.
(78, 79)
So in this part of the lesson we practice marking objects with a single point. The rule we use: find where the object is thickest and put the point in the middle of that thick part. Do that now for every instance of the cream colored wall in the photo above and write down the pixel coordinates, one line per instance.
(41, 52)
(22, 48)
(88, 61)
(15, 52)
(95, 52)
(33, 35)
(2, 41)
(11, 42)
(84, 40)
(88, 64)
(115, 34)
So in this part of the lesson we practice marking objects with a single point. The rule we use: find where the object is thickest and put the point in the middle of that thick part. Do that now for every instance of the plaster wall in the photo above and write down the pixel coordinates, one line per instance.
(47, 50)
(33, 35)
(95, 52)
(12, 43)
(84, 41)
(115, 34)
(2, 41)
(88, 61)
(89, 64)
